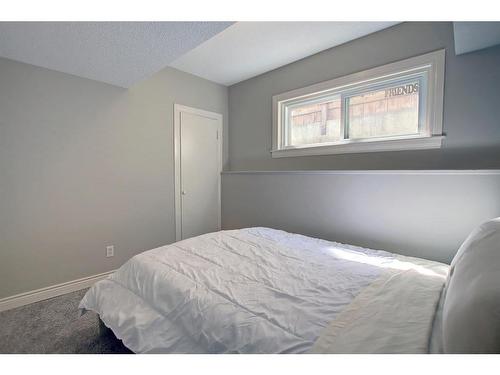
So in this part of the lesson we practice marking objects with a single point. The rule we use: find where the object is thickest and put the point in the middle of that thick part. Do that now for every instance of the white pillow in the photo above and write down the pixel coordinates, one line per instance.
(471, 314)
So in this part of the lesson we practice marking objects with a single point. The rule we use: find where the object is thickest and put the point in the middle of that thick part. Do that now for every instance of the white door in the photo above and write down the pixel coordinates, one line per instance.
(198, 140)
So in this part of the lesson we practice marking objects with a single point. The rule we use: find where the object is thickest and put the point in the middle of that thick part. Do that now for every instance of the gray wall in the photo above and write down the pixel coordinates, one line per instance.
(471, 103)
(422, 214)
(83, 165)
(425, 215)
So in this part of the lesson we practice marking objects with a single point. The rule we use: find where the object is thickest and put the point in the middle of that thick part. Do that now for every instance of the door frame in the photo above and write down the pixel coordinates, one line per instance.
(178, 109)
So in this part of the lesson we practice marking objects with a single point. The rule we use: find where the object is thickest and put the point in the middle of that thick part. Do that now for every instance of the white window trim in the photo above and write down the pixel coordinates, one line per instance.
(433, 63)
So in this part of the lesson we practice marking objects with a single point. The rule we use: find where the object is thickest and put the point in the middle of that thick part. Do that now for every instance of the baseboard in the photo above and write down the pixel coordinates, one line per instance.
(50, 291)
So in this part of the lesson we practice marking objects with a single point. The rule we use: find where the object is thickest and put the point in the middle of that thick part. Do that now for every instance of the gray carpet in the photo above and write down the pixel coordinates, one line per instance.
(54, 326)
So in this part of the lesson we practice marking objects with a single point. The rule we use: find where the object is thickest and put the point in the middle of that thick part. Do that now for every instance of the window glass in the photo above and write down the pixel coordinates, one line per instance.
(315, 123)
(394, 107)
(386, 112)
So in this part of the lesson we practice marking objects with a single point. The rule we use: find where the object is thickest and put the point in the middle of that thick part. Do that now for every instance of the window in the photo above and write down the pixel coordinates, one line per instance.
(393, 107)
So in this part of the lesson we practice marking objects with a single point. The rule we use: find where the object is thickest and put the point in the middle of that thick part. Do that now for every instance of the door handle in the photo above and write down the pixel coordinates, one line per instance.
(183, 192)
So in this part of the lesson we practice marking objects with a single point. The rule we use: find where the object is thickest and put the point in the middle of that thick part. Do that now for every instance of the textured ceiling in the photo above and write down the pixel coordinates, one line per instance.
(118, 53)
(247, 49)
(123, 53)
(472, 36)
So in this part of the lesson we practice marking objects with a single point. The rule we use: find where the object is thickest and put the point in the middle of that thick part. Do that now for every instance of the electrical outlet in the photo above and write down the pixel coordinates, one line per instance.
(110, 251)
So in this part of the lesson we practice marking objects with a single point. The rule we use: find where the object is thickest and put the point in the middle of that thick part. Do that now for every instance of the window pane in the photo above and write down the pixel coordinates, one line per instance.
(314, 123)
(383, 113)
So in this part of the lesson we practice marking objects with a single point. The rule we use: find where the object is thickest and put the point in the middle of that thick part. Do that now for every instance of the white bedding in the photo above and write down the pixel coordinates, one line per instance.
(393, 315)
(260, 290)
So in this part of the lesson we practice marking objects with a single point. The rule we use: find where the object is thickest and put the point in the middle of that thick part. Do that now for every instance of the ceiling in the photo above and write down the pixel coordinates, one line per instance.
(123, 53)
(247, 49)
(119, 53)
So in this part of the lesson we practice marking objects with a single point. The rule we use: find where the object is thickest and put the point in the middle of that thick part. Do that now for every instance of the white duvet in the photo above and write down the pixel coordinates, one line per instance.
(260, 290)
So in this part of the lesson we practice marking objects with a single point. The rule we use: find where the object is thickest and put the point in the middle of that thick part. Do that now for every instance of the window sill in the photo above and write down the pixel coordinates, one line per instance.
(362, 146)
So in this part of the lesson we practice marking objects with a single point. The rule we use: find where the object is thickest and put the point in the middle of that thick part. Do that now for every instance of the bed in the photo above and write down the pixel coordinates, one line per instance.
(260, 290)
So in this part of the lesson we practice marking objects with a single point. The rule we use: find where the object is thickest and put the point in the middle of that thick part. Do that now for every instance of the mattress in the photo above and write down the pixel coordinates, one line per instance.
(260, 290)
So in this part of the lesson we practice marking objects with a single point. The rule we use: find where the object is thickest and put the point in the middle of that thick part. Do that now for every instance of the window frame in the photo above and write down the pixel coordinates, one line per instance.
(430, 121)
